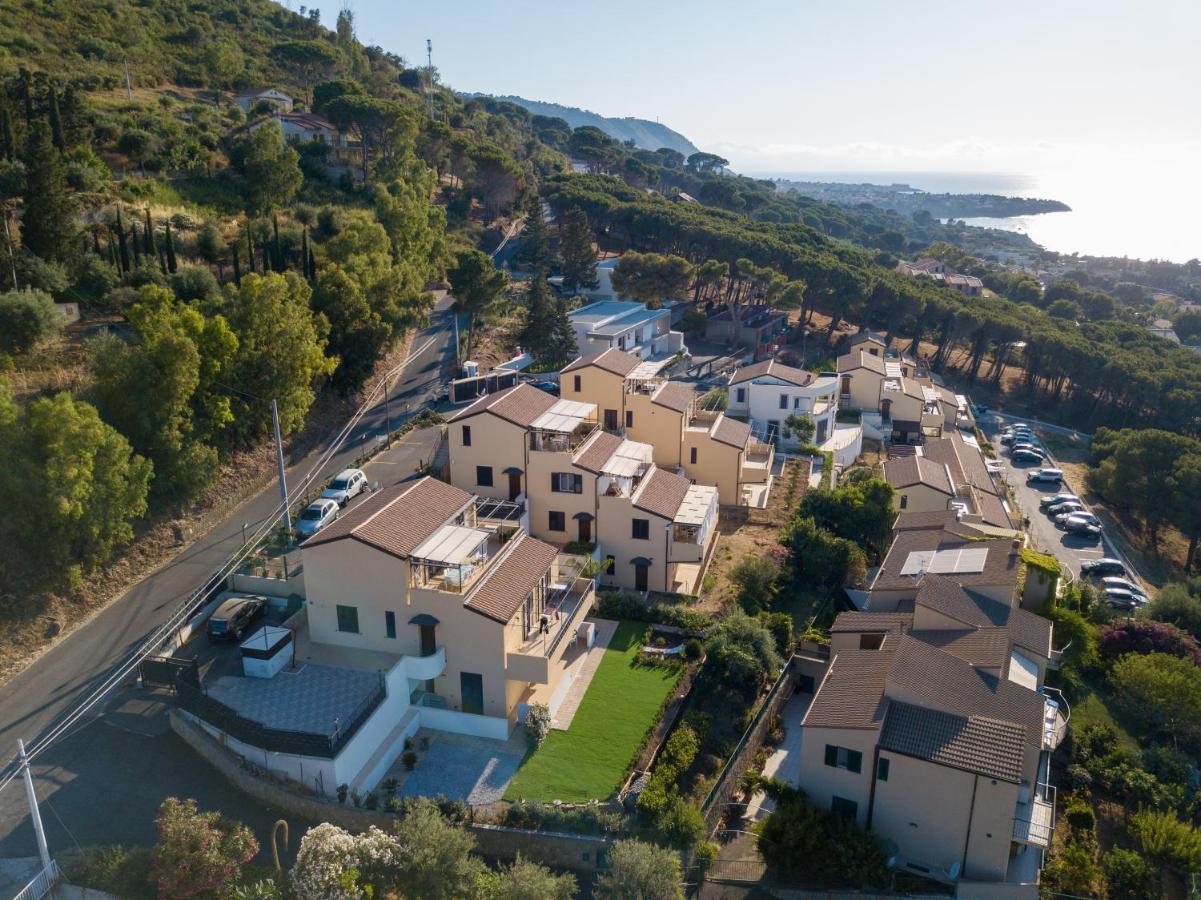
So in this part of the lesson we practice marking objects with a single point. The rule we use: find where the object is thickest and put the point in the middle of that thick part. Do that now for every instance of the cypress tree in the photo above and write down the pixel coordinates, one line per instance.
(276, 256)
(304, 254)
(312, 266)
(237, 266)
(249, 249)
(121, 240)
(112, 255)
(96, 242)
(48, 228)
(56, 120)
(170, 250)
(8, 135)
(136, 242)
(151, 248)
(27, 95)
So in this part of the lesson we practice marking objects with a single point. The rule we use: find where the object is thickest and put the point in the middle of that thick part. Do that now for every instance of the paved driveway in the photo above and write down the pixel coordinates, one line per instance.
(1071, 550)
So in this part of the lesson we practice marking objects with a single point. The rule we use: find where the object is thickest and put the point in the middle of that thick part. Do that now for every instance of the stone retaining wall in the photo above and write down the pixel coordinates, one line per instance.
(576, 852)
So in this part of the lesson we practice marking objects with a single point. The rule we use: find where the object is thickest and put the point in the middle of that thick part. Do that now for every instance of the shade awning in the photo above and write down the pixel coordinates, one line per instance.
(512, 470)
(423, 619)
(565, 416)
(584, 517)
(451, 545)
(640, 561)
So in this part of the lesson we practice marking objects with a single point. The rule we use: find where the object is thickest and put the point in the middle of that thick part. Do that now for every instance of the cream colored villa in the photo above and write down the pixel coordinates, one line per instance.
(425, 606)
(931, 727)
(707, 445)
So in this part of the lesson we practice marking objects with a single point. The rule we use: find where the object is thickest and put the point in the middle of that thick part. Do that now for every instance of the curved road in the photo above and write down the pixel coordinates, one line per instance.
(37, 697)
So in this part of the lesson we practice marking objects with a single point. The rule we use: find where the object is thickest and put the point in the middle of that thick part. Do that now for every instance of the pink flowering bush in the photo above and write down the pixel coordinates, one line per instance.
(197, 853)
(1146, 636)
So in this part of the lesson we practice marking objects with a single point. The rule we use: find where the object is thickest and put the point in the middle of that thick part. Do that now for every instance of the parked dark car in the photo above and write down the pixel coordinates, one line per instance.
(234, 617)
(1026, 456)
(1104, 566)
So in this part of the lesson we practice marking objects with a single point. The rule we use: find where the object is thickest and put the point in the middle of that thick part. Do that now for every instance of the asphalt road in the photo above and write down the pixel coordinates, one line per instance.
(1070, 549)
(39, 696)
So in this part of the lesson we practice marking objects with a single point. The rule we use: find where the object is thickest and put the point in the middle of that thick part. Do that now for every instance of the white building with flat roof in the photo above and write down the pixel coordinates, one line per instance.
(625, 325)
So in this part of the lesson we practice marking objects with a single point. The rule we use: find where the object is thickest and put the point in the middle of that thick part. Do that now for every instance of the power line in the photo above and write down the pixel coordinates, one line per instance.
(184, 611)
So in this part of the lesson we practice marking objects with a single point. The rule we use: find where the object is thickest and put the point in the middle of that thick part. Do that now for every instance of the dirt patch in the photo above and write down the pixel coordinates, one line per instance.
(37, 622)
(754, 533)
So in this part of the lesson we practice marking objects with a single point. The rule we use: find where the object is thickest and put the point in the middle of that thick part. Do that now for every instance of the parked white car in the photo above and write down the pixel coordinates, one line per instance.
(315, 516)
(347, 485)
(1123, 584)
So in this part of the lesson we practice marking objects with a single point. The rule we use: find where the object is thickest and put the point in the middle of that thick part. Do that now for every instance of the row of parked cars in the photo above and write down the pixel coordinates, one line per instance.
(1122, 590)
(1024, 446)
(346, 485)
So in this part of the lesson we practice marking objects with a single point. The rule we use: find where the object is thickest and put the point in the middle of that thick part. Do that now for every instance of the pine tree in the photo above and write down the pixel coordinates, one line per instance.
(56, 120)
(171, 267)
(48, 227)
(535, 251)
(577, 249)
(151, 247)
(561, 345)
(538, 320)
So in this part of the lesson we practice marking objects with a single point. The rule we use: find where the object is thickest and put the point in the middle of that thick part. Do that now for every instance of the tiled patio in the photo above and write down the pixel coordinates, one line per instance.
(459, 767)
(314, 699)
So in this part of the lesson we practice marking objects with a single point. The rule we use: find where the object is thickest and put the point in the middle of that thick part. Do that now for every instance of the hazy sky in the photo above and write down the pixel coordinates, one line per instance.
(840, 85)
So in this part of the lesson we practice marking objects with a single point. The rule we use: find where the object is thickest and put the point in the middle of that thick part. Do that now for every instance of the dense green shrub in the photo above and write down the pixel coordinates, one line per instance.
(802, 842)
(27, 318)
(1128, 876)
(628, 605)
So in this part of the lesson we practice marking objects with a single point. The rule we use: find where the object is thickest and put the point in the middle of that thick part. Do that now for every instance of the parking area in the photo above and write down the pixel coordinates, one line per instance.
(1071, 550)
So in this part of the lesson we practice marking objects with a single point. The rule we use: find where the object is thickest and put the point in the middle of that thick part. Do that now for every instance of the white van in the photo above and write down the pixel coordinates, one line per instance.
(1049, 476)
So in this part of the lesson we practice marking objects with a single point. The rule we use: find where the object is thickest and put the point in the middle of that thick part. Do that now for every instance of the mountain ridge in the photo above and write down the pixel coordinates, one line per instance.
(645, 134)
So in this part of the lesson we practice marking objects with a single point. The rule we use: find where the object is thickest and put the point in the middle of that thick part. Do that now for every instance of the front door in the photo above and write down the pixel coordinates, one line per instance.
(471, 686)
(429, 645)
(585, 531)
(610, 420)
(514, 485)
(640, 576)
(885, 408)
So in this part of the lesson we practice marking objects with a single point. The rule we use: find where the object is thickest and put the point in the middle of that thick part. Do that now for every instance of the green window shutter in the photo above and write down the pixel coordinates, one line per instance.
(854, 761)
(882, 769)
(831, 755)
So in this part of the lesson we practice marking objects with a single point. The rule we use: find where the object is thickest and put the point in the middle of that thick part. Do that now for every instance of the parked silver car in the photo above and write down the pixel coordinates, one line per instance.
(315, 516)
(347, 485)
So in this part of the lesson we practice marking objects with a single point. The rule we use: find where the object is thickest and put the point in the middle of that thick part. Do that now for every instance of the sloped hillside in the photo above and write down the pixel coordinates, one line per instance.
(645, 134)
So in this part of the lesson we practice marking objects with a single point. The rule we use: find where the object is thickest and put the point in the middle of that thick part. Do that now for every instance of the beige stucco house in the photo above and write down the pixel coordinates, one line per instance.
(708, 446)
(930, 728)
(948, 473)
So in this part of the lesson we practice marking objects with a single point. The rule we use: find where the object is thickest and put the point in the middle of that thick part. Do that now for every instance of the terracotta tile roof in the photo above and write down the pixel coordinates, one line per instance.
(612, 360)
(856, 621)
(661, 493)
(946, 597)
(860, 359)
(979, 744)
(731, 431)
(595, 451)
(924, 521)
(908, 471)
(852, 693)
(520, 404)
(924, 675)
(674, 395)
(984, 647)
(398, 518)
(774, 369)
(502, 591)
(1000, 562)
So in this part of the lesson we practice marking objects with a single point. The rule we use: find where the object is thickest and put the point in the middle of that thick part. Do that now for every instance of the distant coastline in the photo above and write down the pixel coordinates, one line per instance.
(904, 198)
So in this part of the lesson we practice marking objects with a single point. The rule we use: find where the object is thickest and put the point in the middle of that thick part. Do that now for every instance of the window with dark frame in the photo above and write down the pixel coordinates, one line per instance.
(390, 623)
(557, 521)
(575, 381)
(483, 476)
(783, 401)
(844, 758)
(640, 529)
(882, 768)
(844, 808)
(629, 418)
(566, 483)
(466, 435)
(692, 456)
(348, 619)
(741, 395)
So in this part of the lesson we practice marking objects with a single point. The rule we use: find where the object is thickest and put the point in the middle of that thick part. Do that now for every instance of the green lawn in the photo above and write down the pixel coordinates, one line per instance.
(590, 759)
(1092, 709)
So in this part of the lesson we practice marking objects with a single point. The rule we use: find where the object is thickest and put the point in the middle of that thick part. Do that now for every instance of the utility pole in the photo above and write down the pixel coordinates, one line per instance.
(279, 462)
(387, 415)
(458, 354)
(128, 86)
(429, 76)
(38, 831)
